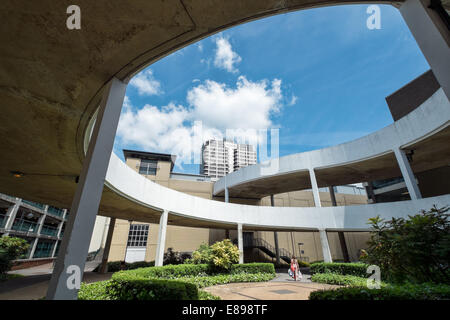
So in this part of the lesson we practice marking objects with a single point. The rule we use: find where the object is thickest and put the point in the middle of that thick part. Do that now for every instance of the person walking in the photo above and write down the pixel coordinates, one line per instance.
(295, 268)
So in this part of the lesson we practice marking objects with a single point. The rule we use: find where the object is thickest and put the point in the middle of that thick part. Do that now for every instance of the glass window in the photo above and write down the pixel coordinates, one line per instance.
(137, 236)
(148, 167)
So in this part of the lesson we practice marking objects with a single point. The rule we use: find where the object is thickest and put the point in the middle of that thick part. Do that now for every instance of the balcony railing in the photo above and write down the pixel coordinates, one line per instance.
(34, 204)
(25, 226)
(55, 211)
(49, 231)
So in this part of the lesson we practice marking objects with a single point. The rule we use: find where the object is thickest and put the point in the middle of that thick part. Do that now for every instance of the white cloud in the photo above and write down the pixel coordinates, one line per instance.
(247, 106)
(293, 100)
(146, 84)
(225, 57)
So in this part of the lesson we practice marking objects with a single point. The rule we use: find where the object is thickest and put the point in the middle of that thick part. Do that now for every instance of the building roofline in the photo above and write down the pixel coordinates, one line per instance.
(150, 156)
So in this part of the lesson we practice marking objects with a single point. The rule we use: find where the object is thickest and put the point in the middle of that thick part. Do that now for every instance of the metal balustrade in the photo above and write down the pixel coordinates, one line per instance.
(49, 231)
(24, 226)
(55, 211)
(34, 204)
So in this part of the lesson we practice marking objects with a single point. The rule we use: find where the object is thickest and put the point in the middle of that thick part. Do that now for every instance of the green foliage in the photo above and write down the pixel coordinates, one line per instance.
(253, 268)
(354, 269)
(174, 257)
(170, 271)
(203, 295)
(199, 276)
(94, 291)
(203, 255)
(126, 286)
(221, 255)
(416, 249)
(114, 266)
(425, 291)
(11, 248)
(224, 254)
(339, 279)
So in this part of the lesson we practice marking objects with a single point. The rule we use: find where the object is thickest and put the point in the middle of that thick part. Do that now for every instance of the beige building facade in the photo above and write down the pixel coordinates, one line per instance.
(158, 168)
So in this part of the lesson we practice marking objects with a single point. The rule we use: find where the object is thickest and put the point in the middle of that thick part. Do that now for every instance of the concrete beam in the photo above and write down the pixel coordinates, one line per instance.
(11, 215)
(408, 174)
(75, 245)
(432, 36)
(315, 188)
(160, 248)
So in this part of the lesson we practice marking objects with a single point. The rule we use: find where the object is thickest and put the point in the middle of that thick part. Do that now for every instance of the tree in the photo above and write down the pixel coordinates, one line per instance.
(416, 249)
(10, 249)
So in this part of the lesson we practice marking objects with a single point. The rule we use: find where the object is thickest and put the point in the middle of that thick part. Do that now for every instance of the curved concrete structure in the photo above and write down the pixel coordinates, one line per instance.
(425, 121)
(52, 81)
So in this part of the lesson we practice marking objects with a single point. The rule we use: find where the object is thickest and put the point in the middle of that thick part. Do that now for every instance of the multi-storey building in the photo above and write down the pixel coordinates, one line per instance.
(220, 157)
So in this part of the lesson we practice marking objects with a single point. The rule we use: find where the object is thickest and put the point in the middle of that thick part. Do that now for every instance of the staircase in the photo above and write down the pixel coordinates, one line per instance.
(267, 248)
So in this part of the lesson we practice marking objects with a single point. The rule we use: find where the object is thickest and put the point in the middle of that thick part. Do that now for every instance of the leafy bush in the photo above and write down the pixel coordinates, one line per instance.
(127, 286)
(426, 291)
(339, 279)
(253, 268)
(224, 254)
(354, 269)
(201, 256)
(412, 250)
(11, 248)
(170, 271)
(221, 255)
(174, 257)
(94, 291)
(203, 295)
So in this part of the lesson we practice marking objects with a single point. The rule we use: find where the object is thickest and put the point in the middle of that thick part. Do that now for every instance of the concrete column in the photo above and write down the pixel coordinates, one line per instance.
(432, 37)
(40, 224)
(340, 233)
(71, 261)
(104, 265)
(332, 196)
(240, 244)
(325, 246)
(227, 197)
(275, 235)
(160, 247)
(408, 174)
(11, 215)
(315, 188)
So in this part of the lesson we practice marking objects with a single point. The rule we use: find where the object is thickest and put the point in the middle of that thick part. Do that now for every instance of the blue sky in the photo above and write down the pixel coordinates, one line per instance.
(320, 76)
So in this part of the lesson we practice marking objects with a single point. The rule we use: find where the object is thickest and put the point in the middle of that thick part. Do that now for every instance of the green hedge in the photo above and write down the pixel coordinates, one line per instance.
(253, 268)
(170, 271)
(124, 286)
(426, 291)
(354, 269)
(339, 279)
(114, 266)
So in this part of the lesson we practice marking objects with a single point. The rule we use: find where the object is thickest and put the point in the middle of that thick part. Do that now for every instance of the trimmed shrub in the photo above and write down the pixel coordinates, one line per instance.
(128, 286)
(94, 291)
(220, 256)
(171, 271)
(426, 291)
(354, 269)
(115, 266)
(253, 268)
(339, 279)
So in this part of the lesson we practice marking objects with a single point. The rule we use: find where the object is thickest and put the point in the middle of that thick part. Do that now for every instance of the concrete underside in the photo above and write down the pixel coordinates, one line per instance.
(52, 79)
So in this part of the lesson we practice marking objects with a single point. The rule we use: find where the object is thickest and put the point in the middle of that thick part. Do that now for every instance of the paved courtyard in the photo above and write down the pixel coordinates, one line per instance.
(282, 287)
